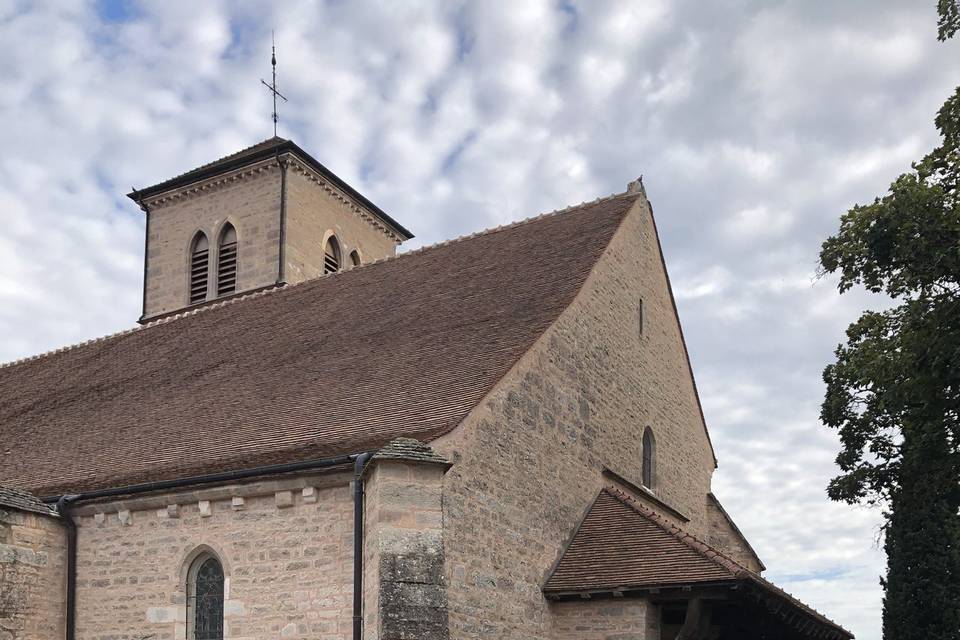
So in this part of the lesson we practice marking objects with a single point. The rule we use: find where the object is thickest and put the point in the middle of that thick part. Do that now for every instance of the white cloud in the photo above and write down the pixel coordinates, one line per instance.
(748, 224)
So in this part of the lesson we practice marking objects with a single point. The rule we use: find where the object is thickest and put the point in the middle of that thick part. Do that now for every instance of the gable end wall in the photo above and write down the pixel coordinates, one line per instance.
(528, 461)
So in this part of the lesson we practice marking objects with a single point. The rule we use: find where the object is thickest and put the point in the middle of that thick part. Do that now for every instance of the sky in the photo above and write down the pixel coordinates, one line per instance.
(755, 126)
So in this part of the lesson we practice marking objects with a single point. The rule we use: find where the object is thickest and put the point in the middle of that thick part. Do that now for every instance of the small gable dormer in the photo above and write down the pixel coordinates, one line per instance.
(266, 216)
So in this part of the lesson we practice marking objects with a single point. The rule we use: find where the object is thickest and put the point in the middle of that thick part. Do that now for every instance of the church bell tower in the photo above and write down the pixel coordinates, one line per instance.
(266, 216)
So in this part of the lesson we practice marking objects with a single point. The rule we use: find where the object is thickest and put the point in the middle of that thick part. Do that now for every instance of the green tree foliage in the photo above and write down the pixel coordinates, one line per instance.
(949, 22)
(894, 391)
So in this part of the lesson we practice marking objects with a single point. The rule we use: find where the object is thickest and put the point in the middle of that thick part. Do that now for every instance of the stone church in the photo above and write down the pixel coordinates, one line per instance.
(310, 436)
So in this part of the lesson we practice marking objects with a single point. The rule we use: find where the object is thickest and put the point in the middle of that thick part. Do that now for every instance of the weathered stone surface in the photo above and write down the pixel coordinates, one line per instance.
(32, 560)
(599, 620)
(529, 460)
(290, 566)
(404, 552)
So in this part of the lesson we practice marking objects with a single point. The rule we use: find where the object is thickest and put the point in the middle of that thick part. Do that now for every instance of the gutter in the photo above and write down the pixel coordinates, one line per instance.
(64, 502)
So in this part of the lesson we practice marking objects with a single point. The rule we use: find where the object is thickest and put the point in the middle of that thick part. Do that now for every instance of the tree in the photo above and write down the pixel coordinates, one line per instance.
(894, 390)
(949, 22)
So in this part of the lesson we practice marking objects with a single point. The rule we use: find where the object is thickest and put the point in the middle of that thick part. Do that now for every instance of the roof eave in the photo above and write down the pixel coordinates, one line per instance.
(688, 588)
(287, 146)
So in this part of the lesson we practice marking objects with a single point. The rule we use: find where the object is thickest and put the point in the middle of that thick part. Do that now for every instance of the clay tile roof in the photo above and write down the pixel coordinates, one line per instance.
(622, 545)
(11, 498)
(411, 450)
(265, 150)
(339, 364)
(618, 545)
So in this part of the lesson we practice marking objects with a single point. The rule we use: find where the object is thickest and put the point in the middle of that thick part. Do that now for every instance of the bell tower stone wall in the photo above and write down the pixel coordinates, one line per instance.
(284, 208)
(248, 199)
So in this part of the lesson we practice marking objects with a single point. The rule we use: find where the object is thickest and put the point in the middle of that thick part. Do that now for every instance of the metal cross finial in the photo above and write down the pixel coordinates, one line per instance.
(273, 86)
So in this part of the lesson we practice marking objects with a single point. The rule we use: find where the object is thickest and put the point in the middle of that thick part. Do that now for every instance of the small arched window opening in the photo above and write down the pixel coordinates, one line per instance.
(205, 599)
(227, 261)
(354, 258)
(649, 458)
(331, 256)
(199, 267)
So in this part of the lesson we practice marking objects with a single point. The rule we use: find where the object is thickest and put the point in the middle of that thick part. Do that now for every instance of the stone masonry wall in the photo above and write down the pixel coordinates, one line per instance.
(286, 547)
(725, 537)
(528, 461)
(32, 576)
(312, 214)
(617, 619)
(404, 584)
(251, 203)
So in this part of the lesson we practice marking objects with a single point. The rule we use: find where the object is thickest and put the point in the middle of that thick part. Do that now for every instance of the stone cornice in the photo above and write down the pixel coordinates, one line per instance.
(213, 184)
(306, 171)
(203, 187)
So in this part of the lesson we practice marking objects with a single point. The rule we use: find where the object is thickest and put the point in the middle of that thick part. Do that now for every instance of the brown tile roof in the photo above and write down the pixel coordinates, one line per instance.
(11, 498)
(340, 364)
(622, 545)
(269, 148)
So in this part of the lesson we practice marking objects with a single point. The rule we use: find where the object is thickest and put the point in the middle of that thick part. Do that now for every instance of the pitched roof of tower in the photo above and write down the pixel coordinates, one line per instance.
(621, 546)
(344, 363)
(269, 148)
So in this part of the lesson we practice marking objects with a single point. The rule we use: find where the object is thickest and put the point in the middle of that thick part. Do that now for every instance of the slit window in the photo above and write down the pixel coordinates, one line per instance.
(640, 308)
(649, 458)
(354, 258)
(331, 256)
(227, 261)
(199, 268)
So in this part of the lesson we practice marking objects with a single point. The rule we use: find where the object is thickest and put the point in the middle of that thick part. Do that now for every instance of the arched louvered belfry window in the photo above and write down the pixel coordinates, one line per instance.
(649, 458)
(331, 256)
(199, 267)
(205, 599)
(227, 261)
(354, 258)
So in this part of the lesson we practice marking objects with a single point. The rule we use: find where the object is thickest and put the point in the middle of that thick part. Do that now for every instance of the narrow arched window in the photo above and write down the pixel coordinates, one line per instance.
(354, 258)
(649, 458)
(331, 256)
(199, 267)
(227, 261)
(205, 599)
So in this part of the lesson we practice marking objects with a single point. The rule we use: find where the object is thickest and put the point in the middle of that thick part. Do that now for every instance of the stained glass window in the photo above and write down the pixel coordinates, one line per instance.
(207, 596)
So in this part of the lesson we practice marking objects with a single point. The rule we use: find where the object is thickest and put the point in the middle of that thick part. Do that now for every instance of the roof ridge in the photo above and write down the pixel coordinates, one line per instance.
(216, 304)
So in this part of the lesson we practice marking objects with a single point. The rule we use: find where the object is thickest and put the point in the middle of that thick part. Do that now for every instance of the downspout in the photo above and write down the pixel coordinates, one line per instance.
(281, 275)
(146, 247)
(63, 509)
(358, 465)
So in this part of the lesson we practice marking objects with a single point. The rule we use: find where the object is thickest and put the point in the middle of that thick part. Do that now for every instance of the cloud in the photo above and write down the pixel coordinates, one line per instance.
(755, 126)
